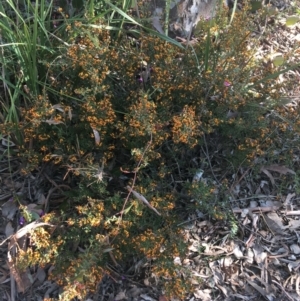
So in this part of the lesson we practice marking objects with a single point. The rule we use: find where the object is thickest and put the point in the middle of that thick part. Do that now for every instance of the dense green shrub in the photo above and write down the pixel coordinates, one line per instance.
(141, 108)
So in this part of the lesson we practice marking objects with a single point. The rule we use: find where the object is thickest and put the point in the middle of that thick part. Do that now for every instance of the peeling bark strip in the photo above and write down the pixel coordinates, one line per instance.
(185, 14)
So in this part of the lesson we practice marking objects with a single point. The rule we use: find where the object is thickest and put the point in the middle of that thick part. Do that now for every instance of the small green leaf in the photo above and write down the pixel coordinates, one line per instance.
(291, 20)
(278, 60)
(34, 216)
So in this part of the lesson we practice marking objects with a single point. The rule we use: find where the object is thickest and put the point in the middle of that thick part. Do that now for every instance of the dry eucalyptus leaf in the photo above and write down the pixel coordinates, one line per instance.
(237, 252)
(23, 231)
(271, 203)
(142, 199)
(274, 223)
(259, 255)
(147, 298)
(156, 24)
(280, 169)
(249, 256)
(97, 136)
(41, 275)
(58, 107)
(226, 261)
(9, 229)
(295, 249)
(7, 142)
(53, 121)
(52, 287)
(120, 296)
(244, 212)
(195, 246)
(41, 199)
(257, 287)
(203, 295)
(253, 204)
(268, 174)
(70, 113)
(293, 265)
(9, 209)
(134, 292)
(288, 198)
(294, 224)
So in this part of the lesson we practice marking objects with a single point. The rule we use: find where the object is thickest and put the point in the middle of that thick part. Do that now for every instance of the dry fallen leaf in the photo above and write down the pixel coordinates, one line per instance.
(9, 209)
(156, 24)
(120, 296)
(134, 292)
(295, 249)
(259, 255)
(97, 136)
(277, 168)
(27, 280)
(268, 174)
(41, 275)
(203, 295)
(237, 252)
(58, 107)
(52, 287)
(23, 231)
(9, 230)
(274, 223)
(288, 198)
(70, 113)
(280, 169)
(7, 142)
(162, 298)
(147, 298)
(15, 274)
(142, 199)
(294, 224)
(53, 121)
(257, 287)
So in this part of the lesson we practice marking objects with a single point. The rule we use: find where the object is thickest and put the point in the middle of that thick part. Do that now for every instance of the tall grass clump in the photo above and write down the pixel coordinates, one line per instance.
(127, 121)
(25, 42)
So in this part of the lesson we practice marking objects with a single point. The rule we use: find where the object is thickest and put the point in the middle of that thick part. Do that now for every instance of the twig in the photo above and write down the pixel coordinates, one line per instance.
(135, 174)
(287, 252)
(208, 159)
(54, 36)
(256, 209)
(295, 212)
(239, 180)
(46, 205)
(258, 196)
(134, 180)
(283, 290)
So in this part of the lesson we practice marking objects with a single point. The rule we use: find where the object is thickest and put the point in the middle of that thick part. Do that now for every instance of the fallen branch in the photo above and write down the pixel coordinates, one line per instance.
(256, 209)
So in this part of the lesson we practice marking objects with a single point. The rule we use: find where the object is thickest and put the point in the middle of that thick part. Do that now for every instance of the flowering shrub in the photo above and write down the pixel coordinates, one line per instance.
(143, 109)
